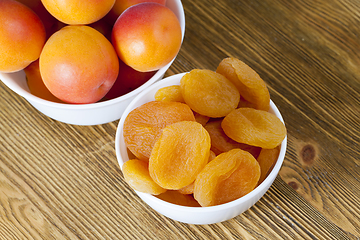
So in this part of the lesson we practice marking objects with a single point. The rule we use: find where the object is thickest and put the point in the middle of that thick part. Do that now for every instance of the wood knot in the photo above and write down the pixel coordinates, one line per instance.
(294, 185)
(308, 154)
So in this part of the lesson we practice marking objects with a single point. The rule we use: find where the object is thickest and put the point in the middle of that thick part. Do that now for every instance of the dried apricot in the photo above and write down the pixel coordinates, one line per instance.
(180, 199)
(209, 93)
(189, 189)
(136, 174)
(254, 127)
(169, 94)
(267, 159)
(201, 118)
(143, 125)
(250, 85)
(229, 176)
(179, 154)
(220, 142)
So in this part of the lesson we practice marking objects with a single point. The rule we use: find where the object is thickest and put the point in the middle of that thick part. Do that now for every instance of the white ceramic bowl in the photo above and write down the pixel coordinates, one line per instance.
(194, 215)
(88, 114)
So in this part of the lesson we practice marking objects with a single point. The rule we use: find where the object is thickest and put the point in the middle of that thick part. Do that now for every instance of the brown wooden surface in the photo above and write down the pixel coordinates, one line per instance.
(59, 181)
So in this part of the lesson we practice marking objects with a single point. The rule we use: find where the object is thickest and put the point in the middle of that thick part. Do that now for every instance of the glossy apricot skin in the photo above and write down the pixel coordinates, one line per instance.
(121, 5)
(77, 12)
(36, 84)
(78, 65)
(147, 36)
(22, 36)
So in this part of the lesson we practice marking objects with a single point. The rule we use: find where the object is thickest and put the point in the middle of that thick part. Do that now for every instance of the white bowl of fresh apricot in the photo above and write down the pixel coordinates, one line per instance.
(204, 146)
(84, 67)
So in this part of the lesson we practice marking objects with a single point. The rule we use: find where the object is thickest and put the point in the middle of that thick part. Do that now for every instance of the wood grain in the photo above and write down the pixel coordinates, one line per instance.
(59, 181)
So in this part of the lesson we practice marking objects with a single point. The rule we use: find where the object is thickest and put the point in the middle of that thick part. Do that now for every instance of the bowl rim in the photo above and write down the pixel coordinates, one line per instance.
(258, 190)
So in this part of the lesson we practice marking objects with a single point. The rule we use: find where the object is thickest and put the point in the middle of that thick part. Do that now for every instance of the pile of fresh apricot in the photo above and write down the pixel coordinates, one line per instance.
(80, 52)
(205, 142)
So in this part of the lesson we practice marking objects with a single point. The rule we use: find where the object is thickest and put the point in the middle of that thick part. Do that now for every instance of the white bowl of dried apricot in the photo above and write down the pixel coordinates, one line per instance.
(204, 146)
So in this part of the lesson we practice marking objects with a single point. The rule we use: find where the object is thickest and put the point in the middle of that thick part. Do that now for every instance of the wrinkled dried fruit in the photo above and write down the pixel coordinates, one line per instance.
(180, 199)
(254, 127)
(250, 85)
(229, 176)
(169, 94)
(201, 118)
(220, 142)
(189, 189)
(209, 93)
(143, 125)
(136, 174)
(267, 159)
(179, 154)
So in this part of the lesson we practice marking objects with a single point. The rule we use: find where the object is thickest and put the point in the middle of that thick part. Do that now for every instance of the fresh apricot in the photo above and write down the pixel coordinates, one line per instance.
(22, 36)
(47, 19)
(121, 5)
(147, 36)
(36, 84)
(78, 11)
(128, 80)
(78, 64)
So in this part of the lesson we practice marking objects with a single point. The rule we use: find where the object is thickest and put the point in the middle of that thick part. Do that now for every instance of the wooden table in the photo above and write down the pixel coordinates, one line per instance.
(60, 181)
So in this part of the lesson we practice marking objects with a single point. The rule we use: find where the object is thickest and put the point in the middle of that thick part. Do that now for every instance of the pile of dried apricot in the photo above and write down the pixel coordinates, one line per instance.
(205, 142)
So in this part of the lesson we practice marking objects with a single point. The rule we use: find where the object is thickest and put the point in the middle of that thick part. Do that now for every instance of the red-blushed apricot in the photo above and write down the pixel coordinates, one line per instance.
(144, 124)
(128, 80)
(121, 5)
(78, 64)
(179, 199)
(267, 159)
(136, 174)
(22, 36)
(254, 127)
(47, 19)
(229, 176)
(78, 11)
(209, 93)
(250, 85)
(179, 154)
(147, 36)
(36, 84)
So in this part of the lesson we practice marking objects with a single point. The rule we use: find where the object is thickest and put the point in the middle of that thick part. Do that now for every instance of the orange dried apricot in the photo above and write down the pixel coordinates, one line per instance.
(169, 94)
(250, 85)
(267, 159)
(136, 174)
(254, 127)
(209, 93)
(189, 189)
(143, 125)
(201, 118)
(220, 142)
(180, 199)
(229, 176)
(179, 154)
